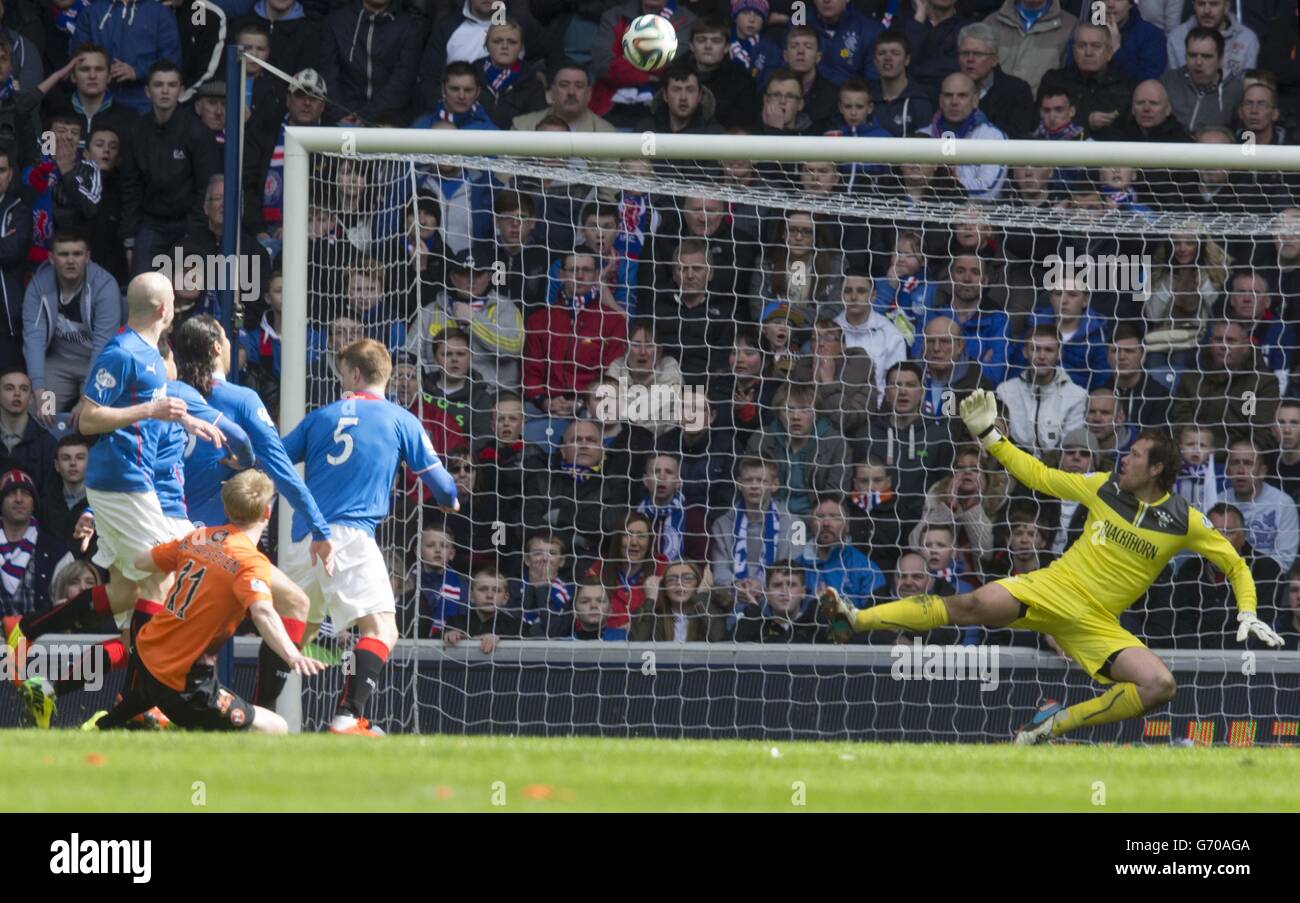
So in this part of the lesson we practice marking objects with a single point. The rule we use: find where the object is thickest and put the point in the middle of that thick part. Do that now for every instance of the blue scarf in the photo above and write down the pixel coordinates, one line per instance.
(962, 129)
(444, 596)
(578, 302)
(7, 90)
(634, 223)
(1030, 16)
(1068, 132)
(67, 19)
(740, 555)
(460, 120)
(581, 473)
(671, 519)
(498, 79)
(273, 190)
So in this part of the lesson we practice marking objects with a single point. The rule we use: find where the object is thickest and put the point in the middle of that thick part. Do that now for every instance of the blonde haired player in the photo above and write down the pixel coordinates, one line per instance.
(220, 577)
(1135, 525)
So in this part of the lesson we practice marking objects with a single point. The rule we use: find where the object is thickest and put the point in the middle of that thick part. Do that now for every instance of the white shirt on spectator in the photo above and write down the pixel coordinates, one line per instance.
(882, 342)
(468, 43)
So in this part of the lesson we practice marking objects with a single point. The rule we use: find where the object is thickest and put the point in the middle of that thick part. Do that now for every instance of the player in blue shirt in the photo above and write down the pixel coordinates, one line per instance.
(352, 449)
(202, 360)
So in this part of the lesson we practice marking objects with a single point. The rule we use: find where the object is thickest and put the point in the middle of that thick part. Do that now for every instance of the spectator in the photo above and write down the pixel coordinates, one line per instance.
(706, 455)
(783, 113)
(1289, 618)
(1200, 93)
(949, 375)
(488, 618)
(1083, 334)
(1137, 49)
(29, 552)
(1149, 118)
(687, 608)
(494, 324)
(19, 120)
(985, 327)
(459, 103)
(811, 456)
(1201, 605)
(749, 49)
(1042, 403)
(464, 196)
(905, 293)
(1031, 37)
(90, 96)
(587, 620)
(959, 116)
(903, 107)
(1056, 122)
(369, 59)
(64, 498)
(543, 591)
(569, 493)
(912, 577)
(15, 235)
(646, 367)
(831, 562)
(1189, 273)
(731, 87)
(917, 448)
(628, 568)
(1240, 49)
(1250, 303)
(295, 38)
(1098, 87)
(801, 267)
(1286, 468)
(25, 54)
(138, 35)
(627, 444)
(201, 28)
(1231, 390)
(1027, 543)
(932, 30)
(966, 503)
(1079, 454)
(731, 255)
(1163, 14)
(803, 60)
(457, 388)
(569, 94)
(680, 530)
(755, 533)
(1269, 513)
(1258, 114)
(204, 241)
(166, 168)
(441, 589)
(71, 309)
(694, 325)
(783, 612)
(1201, 477)
(1144, 395)
(864, 328)
(514, 87)
(264, 202)
(1005, 100)
(1109, 424)
(623, 92)
(744, 395)
(64, 189)
(682, 105)
(524, 259)
(879, 516)
(844, 379)
(846, 39)
(937, 542)
(459, 36)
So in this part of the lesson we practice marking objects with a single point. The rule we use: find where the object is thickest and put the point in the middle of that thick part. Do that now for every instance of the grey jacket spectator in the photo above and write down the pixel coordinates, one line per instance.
(1240, 50)
(100, 311)
(723, 548)
(1196, 107)
(819, 466)
(1030, 54)
(369, 59)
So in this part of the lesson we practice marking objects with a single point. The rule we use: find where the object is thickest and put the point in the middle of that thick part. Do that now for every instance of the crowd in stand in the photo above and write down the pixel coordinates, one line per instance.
(818, 357)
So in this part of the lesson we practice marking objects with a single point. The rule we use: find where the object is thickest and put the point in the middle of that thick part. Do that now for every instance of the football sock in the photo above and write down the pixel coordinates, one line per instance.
(914, 613)
(368, 661)
(145, 609)
(273, 671)
(1119, 702)
(70, 615)
(114, 650)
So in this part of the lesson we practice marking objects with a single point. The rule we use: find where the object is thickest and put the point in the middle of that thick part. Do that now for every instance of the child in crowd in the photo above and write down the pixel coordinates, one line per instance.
(1201, 478)
(441, 590)
(488, 619)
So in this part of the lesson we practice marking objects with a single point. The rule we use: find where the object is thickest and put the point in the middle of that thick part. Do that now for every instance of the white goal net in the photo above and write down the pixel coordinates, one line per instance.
(684, 381)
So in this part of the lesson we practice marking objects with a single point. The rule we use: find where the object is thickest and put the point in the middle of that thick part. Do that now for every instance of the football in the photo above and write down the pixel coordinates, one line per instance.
(650, 42)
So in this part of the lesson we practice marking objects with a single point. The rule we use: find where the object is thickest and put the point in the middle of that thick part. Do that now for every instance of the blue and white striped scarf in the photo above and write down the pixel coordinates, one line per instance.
(16, 556)
(671, 521)
(740, 555)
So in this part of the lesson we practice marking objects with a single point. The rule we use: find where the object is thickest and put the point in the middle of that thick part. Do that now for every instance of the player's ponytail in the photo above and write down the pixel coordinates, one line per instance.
(193, 344)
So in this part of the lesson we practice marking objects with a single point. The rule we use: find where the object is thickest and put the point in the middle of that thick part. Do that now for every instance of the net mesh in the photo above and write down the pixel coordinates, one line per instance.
(600, 410)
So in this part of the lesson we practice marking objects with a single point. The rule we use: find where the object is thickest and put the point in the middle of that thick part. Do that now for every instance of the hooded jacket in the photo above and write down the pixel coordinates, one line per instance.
(1196, 108)
(759, 624)
(295, 39)
(1084, 356)
(1240, 46)
(1030, 54)
(1241, 402)
(165, 171)
(15, 233)
(526, 94)
(102, 308)
(135, 32)
(919, 453)
(1040, 416)
(907, 113)
(369, 60)
(820, 466)
(702, 122)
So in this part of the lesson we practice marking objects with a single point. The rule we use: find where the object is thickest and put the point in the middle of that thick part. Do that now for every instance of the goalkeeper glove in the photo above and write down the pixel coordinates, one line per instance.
(979, 411)
(1253, 626)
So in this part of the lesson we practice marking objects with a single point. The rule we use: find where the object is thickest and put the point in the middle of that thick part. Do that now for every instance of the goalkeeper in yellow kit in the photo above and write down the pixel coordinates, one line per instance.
(1134, 527)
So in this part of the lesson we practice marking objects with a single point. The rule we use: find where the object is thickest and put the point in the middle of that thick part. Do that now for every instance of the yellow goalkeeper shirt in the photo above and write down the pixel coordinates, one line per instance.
(1126, 542)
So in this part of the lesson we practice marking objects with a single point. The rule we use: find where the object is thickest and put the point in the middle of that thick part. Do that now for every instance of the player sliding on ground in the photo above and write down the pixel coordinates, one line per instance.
(1134, 527)
(220, 577)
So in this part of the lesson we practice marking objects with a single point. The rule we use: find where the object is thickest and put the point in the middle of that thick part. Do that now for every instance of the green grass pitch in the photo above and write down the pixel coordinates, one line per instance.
(69, 770)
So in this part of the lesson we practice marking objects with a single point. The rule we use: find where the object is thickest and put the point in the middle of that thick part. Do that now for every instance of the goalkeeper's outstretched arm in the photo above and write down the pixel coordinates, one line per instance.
(979, 411)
